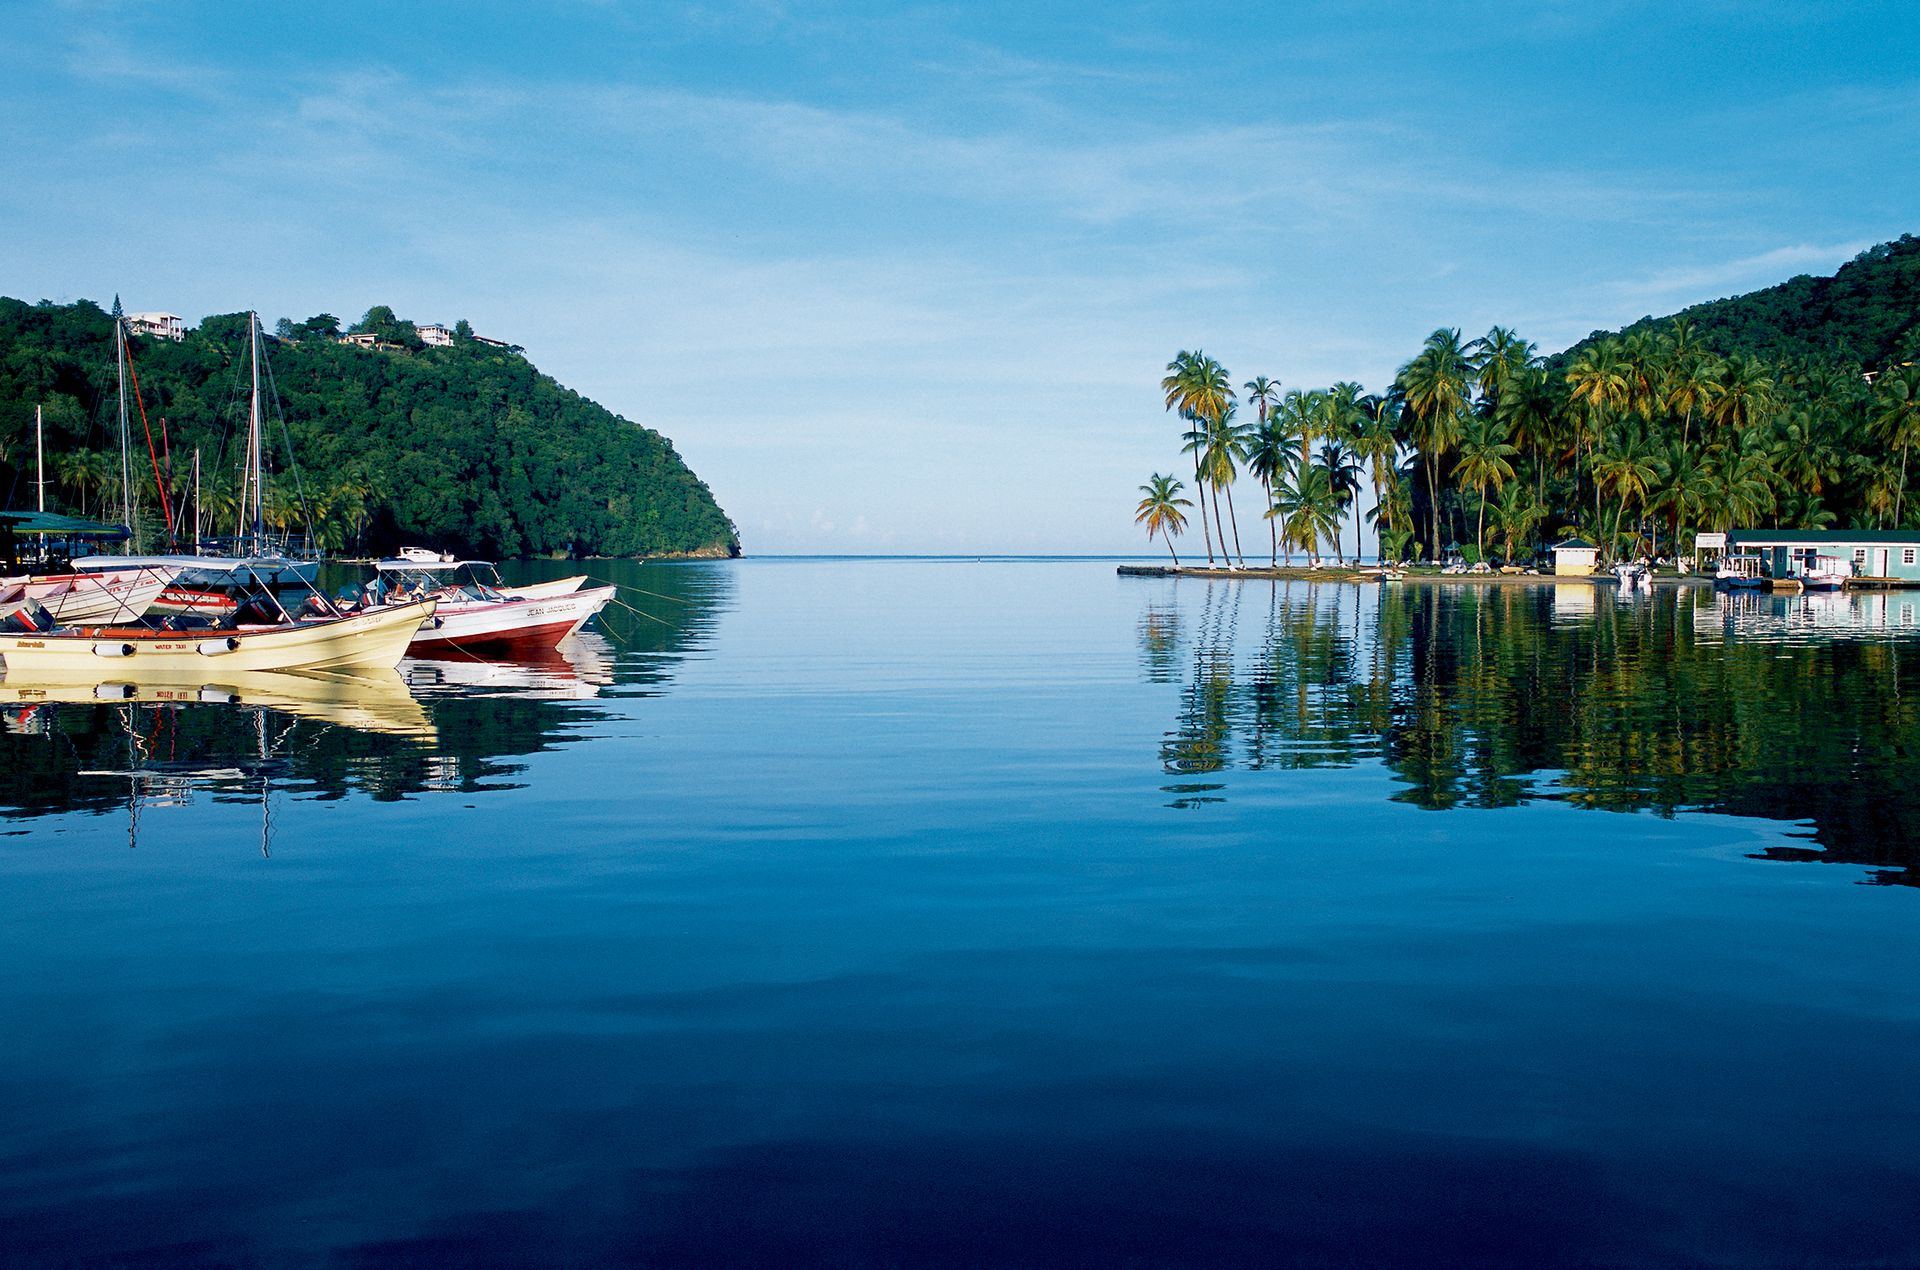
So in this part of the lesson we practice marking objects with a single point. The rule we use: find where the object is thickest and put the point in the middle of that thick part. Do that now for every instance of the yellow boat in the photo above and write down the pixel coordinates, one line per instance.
(375, 700)
(377, 638)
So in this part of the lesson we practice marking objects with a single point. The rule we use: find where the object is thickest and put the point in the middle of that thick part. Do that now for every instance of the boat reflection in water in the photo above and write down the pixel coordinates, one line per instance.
(575, 670)
(1747, 703)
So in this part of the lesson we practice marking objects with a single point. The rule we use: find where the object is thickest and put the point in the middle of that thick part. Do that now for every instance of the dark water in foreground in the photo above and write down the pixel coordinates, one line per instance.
(1004, 913)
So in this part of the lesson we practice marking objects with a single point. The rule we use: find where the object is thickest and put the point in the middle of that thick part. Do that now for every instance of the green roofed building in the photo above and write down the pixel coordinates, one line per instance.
(1890, 556)
(52, 535)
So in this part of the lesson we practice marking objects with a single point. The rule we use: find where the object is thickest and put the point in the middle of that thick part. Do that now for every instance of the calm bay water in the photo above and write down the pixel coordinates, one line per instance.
(878, 912)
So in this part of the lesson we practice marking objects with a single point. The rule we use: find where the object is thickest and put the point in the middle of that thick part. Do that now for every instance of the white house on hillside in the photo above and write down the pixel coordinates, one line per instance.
(433, 335)
(166, 326)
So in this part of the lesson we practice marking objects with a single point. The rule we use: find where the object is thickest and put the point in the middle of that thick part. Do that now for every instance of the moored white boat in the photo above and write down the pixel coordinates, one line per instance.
(79, 597)
(376, 638)
(475, 613)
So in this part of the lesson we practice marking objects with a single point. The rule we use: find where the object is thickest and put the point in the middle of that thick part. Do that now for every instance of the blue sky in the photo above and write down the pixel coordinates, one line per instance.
(905, 278)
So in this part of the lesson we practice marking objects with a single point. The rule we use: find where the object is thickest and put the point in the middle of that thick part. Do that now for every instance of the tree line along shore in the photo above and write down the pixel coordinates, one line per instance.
(1633, 441)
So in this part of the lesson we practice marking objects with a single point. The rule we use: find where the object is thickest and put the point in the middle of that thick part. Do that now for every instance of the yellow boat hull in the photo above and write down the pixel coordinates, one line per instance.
(376, 639)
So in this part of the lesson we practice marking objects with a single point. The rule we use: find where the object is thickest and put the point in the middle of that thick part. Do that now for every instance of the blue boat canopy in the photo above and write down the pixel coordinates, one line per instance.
(63, 526)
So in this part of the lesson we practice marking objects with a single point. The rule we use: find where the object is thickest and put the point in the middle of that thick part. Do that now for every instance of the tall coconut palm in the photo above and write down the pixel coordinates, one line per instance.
(1225, 450)
(1500, 357)
(1486, 459)
(1531, 416)
(1270, 458)
(1436, 386)
(1598, 386)
(1745, 395)
(1343, 478)
(1896, 420)
(1629, 468)
(1163, 511)
(1378, 444)
(1198, 388)
(1686, 488)
(1262, 394)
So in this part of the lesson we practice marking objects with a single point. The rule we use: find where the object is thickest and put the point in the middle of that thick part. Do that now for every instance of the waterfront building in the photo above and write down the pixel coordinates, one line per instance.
(1891, 555)
(1574, 558)
(165, 326)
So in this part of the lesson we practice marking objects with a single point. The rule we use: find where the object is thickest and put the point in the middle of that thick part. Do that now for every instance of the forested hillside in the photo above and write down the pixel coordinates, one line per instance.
(1858, 317)
(466, 447)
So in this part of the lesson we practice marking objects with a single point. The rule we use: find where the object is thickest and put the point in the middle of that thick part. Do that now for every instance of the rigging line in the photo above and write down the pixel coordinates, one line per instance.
(641, 613)
(626, 586)
(159, 488)
(299, 485)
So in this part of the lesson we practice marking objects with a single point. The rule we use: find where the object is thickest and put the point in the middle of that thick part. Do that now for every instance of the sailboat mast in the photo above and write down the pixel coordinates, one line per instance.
(253, 430)
(126, 466)
(40, 459)
(196, 500)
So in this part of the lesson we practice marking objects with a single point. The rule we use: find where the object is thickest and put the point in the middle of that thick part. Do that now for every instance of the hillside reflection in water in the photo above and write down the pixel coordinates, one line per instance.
(1793, 708)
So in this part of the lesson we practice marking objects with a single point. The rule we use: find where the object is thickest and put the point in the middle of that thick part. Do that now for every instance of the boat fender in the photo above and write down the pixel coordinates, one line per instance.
(113, 650)
(214, 647)
(113, 692)
(219, 696)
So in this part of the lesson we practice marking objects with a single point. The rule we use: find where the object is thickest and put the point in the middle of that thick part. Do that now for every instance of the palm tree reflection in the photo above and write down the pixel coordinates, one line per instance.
(1799, 709)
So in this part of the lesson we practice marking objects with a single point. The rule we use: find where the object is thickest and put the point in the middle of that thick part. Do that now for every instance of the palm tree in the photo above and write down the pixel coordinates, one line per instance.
(1598, 382)
(1270, 458)
(1378, 444)
(1896, 396)
(1685, 490)
(1630, 469)
(1531, 416)
(1343, 417)
(1262, 394)
(1485, 459)
(1517, 515)
(1745, 394)
(1690, 382)
(1343, 478)
(1307, 508)
(1163, 511)
(1435, 387)
(1226, 449)
(1500, 357)
(1197, 387)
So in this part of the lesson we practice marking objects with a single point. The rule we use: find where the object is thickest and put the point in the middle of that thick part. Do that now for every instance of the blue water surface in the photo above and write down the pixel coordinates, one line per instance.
(1010, 912)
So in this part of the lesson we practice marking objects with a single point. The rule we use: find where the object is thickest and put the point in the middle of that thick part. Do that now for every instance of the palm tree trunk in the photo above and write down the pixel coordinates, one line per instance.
(1224, 557)
(1480, 530)
(1234, 517)
(1170, 551)
(1900, 493)
(1273, 530)
(1200, 492)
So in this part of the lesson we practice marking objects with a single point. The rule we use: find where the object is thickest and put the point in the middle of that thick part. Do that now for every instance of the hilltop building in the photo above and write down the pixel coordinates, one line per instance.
(434, 335)
(165, 326)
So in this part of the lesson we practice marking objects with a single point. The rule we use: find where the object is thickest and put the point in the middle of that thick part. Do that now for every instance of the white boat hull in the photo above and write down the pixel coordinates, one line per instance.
(377, 638)
(537, 621)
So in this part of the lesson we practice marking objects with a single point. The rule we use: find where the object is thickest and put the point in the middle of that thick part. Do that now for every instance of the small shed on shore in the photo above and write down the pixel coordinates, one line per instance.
(1574, 558)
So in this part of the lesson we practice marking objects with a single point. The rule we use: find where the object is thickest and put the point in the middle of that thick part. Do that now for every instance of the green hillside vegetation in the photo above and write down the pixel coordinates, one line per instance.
(467, 447)
(1796, 407)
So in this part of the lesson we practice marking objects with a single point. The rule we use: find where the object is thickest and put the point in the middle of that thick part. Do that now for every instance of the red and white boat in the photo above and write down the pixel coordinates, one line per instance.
(473, 612)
